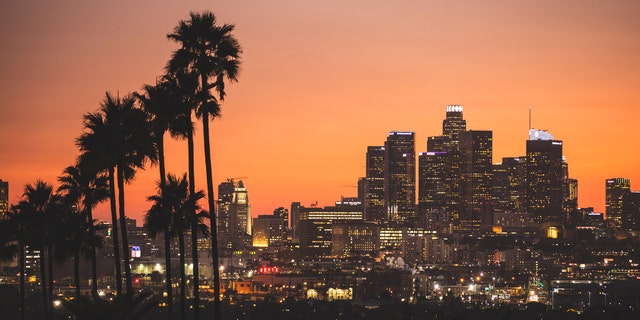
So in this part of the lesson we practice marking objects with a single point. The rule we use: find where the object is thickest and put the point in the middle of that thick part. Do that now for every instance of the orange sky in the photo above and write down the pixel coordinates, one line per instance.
(322, 80)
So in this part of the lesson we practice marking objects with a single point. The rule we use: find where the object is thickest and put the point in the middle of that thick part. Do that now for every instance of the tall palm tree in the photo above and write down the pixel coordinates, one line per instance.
(211, 51)
(118, 138)
(42, 204)
(14, 232)
(176, 200)
(161, 102)
(86, 188)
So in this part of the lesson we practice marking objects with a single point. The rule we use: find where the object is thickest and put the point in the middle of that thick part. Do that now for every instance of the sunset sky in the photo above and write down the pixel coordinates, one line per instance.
(322, 80)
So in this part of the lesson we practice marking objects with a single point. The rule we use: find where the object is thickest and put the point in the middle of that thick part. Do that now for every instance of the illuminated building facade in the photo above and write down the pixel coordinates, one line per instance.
(268, 230)
(4, 198)
(476, 151)
(432, 191)
(400, 176)
(354, 238)
(508, 185)
(315, 225)
(615, 190)
(374, 185)
(544, 177)
(631, 211)
(233, 215)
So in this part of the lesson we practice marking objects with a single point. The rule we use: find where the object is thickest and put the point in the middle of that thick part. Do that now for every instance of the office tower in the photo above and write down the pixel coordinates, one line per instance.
(4, 198)
(616, 189)
(354, 238)
(631, 211)
(268, 230)
(544, 177)
(374, 186)
(223, 206)
(476, 166)
(432, 189)
(240, 210)
(315, 225)
(400, 176)
(570, 201)
(362, 189)
(295, 221)
(283, 213)
(508, 185)
(453, 125)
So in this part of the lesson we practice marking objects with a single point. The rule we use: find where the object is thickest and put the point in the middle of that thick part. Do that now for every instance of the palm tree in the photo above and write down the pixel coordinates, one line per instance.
(211, 51)
(161, 102)
(42, 204)
(13, 238)
(118, 138)
(176, 200)
(85, 187)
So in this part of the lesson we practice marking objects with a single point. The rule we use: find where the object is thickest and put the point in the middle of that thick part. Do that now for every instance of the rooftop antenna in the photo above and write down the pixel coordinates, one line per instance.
(529, 118)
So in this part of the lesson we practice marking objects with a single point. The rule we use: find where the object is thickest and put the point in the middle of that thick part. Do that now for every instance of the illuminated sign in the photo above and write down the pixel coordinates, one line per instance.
(269, 270)
(135, 252)
(454, 108)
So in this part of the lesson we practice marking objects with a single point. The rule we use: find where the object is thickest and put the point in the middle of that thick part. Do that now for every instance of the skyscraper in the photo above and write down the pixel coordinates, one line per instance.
(4, 198)
(400, 176)
(544, 177)
(631, 211)
(615, 190)
(453, 125)
(374, 185)
(508, 185)
(240, 209)
(432, 189)
(223, 206)
(476, 166)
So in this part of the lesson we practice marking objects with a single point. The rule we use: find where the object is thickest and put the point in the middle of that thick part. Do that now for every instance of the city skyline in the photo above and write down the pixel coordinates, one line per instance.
(321, 82)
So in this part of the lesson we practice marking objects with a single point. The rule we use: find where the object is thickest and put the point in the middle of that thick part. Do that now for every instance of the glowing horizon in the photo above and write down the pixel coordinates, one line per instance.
(322, 81)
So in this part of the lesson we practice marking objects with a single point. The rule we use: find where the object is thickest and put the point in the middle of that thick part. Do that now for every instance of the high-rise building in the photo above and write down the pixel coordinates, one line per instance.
(453, 125)
(544, 177)
(400, 176)
(615, 190)
(240, 209)
(374, 185)
(233, 215)
(295, 221)
(354, 238)
(315, 225)
(509, 185)
(432, 191)
(268, 230)
(631, 211)
(4, 198)
(223, 206)
(476, 166)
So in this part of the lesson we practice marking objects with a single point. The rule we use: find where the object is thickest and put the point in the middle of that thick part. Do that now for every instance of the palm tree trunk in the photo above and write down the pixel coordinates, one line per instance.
(167, 236)
(43, 284)
(123, 228)
(194, 227)
(94, 271)
(22, 279)
(114, 230)
(76, 272)
(183, 278)
(212, 218)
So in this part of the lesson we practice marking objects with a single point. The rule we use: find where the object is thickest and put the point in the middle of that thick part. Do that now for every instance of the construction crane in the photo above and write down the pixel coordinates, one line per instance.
(232, 180)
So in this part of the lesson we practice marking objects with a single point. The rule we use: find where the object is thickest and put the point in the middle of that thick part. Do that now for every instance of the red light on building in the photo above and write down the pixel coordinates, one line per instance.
(268, 270)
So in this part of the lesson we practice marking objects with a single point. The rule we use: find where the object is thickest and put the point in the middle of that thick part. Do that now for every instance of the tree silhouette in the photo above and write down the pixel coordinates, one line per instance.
(212, 52)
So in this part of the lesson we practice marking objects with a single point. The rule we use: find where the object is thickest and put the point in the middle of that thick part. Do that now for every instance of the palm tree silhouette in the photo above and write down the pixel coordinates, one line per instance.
(175, 199)
(14, 234)
(118, 138)
(42, 205)
(211, 51)
(83, 186)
